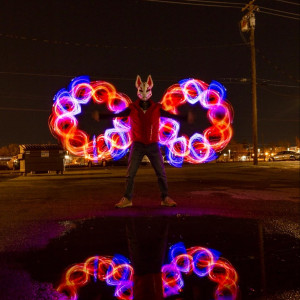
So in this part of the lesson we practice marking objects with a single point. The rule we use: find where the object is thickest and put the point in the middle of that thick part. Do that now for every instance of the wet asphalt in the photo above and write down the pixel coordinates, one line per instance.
(248, 214)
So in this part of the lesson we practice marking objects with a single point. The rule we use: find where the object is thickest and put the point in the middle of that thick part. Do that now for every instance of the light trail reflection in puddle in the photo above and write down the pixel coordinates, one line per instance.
(203, 262)
(117, 271)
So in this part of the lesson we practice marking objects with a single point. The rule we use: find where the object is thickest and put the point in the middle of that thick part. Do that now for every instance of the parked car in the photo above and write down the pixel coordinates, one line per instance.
(4, 162)
(78, 161)
(101, 163)
(14, 163)
(285, 155)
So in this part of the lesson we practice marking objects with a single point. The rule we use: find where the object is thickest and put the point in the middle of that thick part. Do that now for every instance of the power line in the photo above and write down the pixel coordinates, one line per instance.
(289, 2)
(263, 87)
(279, 15)
(261, 82)
(24, 109)
(280, 11)
(36, 74)
(64, 76)
(154, 48)
(193, 3)
(235, 80)
(230, 80)
(216, 2)
(280, 85)
(279, 120)
(265, 10)
(275, 67)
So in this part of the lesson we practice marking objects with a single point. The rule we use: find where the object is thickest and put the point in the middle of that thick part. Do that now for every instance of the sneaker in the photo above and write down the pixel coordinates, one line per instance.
(168, 202)
(124, 202)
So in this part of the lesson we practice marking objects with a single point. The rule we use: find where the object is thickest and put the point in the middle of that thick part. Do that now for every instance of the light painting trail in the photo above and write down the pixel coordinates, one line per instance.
(202, 262)
(116, 271)
(64, 125)
(199, 148)
(114, 142)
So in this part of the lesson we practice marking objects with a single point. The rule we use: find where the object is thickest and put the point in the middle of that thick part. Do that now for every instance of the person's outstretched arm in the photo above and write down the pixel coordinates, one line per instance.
(189, 117)
(97, 116)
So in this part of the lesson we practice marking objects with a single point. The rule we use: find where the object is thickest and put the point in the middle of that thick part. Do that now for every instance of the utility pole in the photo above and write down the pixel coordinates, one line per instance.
(248, 24)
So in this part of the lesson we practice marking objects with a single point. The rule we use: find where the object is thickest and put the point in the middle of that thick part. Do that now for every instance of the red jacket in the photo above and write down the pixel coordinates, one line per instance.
(144, 126)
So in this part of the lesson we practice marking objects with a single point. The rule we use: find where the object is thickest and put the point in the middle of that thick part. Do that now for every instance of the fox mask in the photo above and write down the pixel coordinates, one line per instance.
(144, 89)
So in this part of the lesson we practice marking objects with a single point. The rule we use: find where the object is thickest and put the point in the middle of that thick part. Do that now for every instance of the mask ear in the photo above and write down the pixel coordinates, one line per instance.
(138, 81)
(150, 81)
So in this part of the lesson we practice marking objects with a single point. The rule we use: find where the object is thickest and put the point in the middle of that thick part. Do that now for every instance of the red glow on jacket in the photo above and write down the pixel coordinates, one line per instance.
(145, 125)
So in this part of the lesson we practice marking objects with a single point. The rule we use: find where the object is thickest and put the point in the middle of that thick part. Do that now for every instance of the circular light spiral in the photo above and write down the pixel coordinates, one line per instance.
(116, 271)
(114, 142)
(201, 147)
(64, 125)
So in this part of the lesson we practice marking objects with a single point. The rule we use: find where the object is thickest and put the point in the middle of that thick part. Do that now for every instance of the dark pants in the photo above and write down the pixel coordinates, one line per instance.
(152, 151)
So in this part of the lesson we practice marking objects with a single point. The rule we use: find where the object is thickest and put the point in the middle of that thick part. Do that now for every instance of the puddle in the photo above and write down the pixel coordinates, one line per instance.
(267, 261)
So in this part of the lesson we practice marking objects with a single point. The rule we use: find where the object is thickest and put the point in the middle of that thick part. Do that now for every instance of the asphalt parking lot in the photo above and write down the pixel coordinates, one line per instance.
(233, 207)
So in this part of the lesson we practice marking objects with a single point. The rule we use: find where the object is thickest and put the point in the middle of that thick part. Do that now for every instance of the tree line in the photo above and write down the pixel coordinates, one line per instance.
(10, 150)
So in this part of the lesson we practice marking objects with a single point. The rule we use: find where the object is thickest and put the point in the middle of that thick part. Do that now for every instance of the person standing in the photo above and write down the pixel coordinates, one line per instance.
(144, 120)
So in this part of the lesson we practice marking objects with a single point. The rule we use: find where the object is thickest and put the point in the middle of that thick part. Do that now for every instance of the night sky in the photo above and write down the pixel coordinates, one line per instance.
(44, 44)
